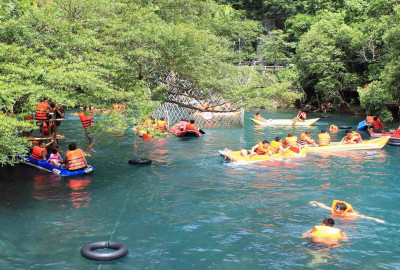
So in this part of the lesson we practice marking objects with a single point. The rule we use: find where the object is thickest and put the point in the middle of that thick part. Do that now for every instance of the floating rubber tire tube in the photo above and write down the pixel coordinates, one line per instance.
(139, 161)
(345, 127)
(88, 251)
(325, 116)
(394, 143)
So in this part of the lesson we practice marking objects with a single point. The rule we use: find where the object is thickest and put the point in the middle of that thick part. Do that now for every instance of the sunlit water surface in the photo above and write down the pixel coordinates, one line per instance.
(191, 210)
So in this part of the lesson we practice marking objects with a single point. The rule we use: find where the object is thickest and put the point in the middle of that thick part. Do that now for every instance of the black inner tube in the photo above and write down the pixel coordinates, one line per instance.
(345, 127)
(88, 251)
(139, 161)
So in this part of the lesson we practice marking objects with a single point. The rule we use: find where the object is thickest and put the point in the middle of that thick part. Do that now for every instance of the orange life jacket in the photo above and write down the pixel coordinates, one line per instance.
(349, 208)
(274, 147)
(291, 141)
(333, 128)
(76, 160)
(261, 150)
(162, 125)
(190, 126)
(258, 117)
(397, 131)
(319, 233)
(355, 134)
(148, 121)
(305, 139)
(115, 106)
(37, 152)
(370, 118)
(324, 139)
(86, 120)
(41, 111)
(147, 137)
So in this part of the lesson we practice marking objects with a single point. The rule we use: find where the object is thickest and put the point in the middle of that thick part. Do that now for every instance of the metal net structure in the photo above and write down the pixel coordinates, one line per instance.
(209, 110)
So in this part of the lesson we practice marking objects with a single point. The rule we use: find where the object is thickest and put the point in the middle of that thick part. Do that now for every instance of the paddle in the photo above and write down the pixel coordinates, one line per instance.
(201, 131)
(295, 120)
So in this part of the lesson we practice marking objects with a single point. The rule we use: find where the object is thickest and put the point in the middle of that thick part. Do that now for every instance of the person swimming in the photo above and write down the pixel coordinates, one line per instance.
(342, 209)
(326, 233)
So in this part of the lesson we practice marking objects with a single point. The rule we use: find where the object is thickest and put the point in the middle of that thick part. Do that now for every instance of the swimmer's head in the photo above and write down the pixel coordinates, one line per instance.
(265, 143)
(290, 135)
(340, 208)
(328, 222)
(278, 139)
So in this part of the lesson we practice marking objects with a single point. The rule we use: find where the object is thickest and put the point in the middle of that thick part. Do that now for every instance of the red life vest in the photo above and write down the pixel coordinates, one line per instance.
(305, 139)
(41, 111)
(76, 160)
(376, 124)
(37, 152)
(86, 120)
(261, 150)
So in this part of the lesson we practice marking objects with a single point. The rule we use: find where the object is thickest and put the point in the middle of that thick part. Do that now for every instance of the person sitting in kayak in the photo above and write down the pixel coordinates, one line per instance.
(261, 148)
(301, 116)
(377, 125)
(324, 139)
(39, 151)
(369, 119)
(291, 140)
(75, 158)
(55, 158)
(276, 146)
(351, 137)
(190, 125)
(326, 233)
(305, 139)
(259, 117)
(343, 209)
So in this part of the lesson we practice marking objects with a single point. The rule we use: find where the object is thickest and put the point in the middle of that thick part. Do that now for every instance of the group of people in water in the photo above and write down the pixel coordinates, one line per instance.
(326, 233)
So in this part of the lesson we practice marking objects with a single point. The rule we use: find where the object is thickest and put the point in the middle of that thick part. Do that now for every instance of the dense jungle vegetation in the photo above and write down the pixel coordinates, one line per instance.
(100, 52)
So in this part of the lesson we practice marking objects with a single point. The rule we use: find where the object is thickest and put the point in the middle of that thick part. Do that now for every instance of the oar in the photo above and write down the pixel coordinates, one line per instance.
(295, 120)
(201, 131)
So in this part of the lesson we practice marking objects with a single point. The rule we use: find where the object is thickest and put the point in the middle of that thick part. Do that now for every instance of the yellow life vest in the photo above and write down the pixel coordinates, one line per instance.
(324, 139)
(274, 147)
(349, 208)
(326, 232)
(291, 141)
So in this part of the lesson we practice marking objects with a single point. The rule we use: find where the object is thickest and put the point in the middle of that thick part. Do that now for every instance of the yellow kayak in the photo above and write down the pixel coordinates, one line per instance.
(236, 156)
(374, 144)
(285, 122)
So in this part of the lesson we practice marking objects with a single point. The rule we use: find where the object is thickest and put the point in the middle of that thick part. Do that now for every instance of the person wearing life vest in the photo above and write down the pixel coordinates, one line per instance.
(259, 117)
(74, 158)
(190, 125)
(301, 115)
(162, 124)
(276, 146)
(42, 109)
(291, 140)
(369, 119)
(87, 120)
(305, 139)
(261, 148)
(377, 125)
(333, 128)
(182, 124)
(324, 139)
(351, 137)
(326, 233)
(39, 151)
(342, 209)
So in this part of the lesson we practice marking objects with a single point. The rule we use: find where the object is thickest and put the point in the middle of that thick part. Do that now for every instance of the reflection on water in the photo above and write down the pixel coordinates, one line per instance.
(191, 210)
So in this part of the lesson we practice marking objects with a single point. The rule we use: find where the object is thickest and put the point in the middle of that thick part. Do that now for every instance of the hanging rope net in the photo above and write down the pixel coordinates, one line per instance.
(207, 109)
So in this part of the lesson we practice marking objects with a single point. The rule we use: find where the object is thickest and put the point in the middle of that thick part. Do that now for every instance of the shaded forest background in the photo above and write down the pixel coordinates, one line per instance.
(99, 52)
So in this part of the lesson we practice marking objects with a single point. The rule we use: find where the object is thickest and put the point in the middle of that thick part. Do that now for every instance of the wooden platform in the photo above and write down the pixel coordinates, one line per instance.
(59, 137)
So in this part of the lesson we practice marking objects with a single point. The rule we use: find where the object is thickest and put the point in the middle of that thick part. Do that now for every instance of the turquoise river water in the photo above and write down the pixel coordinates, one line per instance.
(192, 210)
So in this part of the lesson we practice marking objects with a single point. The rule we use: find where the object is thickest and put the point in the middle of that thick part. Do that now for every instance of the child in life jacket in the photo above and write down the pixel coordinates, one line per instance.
(342, 209)
(326, 233)
(55, 158)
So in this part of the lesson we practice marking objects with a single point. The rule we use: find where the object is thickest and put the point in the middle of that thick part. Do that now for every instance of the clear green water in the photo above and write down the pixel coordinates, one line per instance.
(190, 210)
